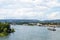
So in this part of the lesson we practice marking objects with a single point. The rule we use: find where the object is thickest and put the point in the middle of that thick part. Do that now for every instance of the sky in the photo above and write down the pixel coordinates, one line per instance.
(30, 9)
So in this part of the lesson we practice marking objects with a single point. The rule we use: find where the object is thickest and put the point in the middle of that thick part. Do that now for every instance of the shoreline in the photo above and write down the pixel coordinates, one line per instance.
(42, 25)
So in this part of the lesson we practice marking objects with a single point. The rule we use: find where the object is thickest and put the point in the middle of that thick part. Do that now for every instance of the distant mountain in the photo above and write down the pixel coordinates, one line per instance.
(55, 21)
(28, 20)
(18, 20)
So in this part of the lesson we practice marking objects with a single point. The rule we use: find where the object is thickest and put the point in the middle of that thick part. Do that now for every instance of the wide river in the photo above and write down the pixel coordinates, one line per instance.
(32, 33)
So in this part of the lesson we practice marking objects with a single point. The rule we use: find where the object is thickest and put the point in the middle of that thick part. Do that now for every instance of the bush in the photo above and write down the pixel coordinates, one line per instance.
(12, 30)
(5, 29)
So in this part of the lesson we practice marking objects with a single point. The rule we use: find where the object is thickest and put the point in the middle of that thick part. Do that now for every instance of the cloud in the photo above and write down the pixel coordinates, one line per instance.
(29, 9)
(54, 15)
(20, 14)
(29, 1)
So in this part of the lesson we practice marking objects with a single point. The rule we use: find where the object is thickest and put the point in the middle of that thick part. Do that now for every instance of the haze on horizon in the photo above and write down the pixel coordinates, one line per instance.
(30, 9)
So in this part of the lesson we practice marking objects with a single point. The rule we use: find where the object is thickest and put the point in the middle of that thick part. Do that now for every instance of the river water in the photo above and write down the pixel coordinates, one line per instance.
(32, 33)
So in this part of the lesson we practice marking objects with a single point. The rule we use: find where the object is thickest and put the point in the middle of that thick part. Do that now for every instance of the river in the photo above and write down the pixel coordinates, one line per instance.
(32, 33)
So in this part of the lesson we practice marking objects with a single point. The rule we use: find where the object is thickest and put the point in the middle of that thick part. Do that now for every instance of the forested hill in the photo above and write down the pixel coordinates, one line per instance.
(52, 21)
(18, 20)
(28, 20)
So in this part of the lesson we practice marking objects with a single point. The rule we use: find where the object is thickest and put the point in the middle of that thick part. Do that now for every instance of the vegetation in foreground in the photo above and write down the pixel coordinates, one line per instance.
(5, 29)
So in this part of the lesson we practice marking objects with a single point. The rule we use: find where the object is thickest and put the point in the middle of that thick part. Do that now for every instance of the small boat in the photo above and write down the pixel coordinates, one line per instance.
(52, 29)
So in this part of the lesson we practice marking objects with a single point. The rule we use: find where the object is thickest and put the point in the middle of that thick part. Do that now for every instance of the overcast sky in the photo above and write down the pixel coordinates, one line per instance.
(30, 9)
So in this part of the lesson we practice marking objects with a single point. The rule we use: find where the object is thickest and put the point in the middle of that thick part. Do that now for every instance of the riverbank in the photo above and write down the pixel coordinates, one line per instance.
(5, 29)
